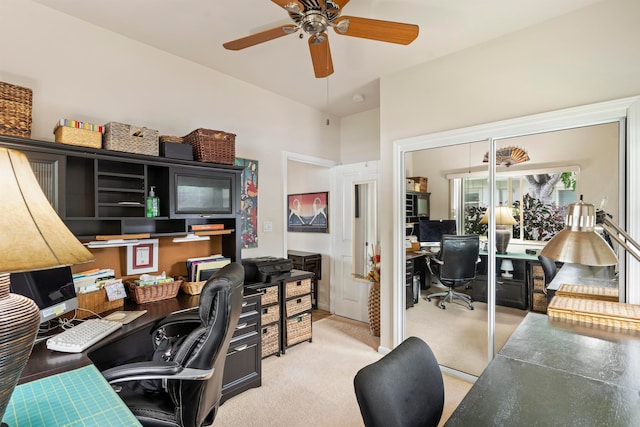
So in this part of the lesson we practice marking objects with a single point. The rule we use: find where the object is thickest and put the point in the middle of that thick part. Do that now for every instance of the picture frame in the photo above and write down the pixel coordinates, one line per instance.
(308, 212)
(143, 257)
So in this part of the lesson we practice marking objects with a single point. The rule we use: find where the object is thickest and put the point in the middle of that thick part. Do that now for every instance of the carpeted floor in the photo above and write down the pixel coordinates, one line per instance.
(457, 335)
(312, 383)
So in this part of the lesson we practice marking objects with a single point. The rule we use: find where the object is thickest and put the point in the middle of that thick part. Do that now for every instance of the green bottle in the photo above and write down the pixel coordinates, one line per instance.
(153, 204)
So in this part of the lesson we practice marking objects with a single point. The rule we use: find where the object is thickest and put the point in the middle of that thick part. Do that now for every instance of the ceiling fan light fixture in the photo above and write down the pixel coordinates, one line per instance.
(314, 22)
(343, 26)
(292, 7)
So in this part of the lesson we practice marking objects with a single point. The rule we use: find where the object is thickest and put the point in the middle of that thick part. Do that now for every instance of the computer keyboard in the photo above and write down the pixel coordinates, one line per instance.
(82, 336)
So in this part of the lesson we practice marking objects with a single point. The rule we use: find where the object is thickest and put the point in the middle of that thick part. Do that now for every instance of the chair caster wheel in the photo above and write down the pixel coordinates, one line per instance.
(471, 308)
(442, 306)
(428, 299)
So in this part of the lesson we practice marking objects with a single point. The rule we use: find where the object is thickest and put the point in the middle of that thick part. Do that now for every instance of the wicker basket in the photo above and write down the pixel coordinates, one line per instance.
(96, 302)
(15, 110)
(130, 139)
(270, 340)
(299, 328)
(149, 293)
(270, 314)
(297, 287)
(79, 137)
(373, 308)
(596, 312)
(269, 295)
(297, 305)
(192, 288)
(212, 146)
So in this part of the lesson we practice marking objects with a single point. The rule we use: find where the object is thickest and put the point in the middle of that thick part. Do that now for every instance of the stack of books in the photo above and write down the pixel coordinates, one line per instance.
(93, 280)
(202, 268)
(141, 282)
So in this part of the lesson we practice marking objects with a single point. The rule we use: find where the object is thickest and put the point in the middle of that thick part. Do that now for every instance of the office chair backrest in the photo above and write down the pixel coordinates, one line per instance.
(548, 267)
(459, 255)
(206, 346)
(403, 389)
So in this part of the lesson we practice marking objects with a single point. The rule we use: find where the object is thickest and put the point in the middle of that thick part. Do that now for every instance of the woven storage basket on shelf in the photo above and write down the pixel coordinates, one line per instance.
(15, 110)
(212, 146)
(192, 288)
(270, 314)
(169, 138)
(297, 305)
(96, 302)
(609, 314)
(299, 328)
(79, 137)
(269, 295)
(373, 308)
(270, 340)
(130, 139)
(149, 293)
(296, 288)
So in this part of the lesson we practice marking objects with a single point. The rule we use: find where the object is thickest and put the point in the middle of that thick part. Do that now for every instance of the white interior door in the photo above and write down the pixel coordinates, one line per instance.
(349, 294)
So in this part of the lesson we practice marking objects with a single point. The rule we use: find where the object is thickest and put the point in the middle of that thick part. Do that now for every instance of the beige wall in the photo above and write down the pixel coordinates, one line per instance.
(588, 56)
(80, 71)
(360, 137)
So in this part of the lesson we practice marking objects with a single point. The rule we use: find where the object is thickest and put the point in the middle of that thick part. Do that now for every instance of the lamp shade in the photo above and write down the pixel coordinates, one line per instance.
(578, 243)
(503, 216)
(32, 237)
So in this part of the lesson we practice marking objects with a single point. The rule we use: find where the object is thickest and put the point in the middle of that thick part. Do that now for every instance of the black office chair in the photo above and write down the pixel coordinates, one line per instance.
(456, 266)
(403, 389)
(182, 385)
(549, 270)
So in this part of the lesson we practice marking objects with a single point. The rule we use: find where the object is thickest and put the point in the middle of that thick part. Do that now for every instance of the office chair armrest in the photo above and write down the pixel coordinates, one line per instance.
(438, 261)
(184, 317)
(155, 370)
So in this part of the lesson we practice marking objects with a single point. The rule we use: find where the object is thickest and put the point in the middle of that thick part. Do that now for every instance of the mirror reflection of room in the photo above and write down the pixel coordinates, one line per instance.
(536, 193)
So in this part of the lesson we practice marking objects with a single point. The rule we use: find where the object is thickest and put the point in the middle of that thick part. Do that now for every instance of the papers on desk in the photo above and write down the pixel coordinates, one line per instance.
(202, 268)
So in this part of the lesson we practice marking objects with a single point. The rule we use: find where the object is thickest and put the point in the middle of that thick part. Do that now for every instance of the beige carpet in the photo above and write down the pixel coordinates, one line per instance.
(312, 383)
(457, 335)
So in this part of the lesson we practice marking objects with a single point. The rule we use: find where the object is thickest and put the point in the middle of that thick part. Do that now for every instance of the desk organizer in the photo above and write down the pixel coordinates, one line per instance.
(15, 110)
(130, 139)
(597, 312)
(96, 302)
(192, 288)
(213, 146)
(149, 293)
(589, 292)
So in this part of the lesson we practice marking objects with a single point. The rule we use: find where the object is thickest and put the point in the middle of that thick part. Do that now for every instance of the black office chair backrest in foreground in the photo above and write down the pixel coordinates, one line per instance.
(459, 256)
(403, 389)
(191, 394)
(549, 270)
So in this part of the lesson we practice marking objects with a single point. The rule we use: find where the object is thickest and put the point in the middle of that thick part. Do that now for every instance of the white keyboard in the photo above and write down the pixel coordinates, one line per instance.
(82, 336)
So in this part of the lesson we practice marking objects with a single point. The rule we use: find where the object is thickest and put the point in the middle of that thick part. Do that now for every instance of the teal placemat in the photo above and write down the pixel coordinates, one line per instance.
(81, 397)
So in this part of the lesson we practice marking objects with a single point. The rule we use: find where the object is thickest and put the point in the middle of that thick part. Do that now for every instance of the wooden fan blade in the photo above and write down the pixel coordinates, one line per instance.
(258, 38)
(283, 3)
(384, 31)
(341, 3)
(321, 55)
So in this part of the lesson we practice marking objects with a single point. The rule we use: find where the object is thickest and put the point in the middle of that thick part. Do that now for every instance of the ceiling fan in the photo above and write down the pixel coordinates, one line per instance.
(314, 17)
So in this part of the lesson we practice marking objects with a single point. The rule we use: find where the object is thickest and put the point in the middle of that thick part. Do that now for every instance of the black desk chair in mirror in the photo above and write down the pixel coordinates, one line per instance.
(181, 386)
(455, 266)
(549, 270)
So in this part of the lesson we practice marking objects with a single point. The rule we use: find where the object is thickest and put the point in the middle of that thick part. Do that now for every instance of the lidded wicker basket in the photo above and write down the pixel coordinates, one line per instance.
(15, 110)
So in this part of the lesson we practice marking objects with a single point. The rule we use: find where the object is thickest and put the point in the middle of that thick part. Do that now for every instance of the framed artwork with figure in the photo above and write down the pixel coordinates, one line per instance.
(308, 212)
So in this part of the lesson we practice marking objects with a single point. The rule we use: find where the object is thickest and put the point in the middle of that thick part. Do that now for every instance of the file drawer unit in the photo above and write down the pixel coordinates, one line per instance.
(243, 367)
(311, 262)
(270, 315)
(296, 323)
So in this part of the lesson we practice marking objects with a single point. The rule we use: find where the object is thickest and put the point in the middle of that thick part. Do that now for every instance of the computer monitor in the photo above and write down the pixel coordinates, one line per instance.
(51, 289)
(431, 231)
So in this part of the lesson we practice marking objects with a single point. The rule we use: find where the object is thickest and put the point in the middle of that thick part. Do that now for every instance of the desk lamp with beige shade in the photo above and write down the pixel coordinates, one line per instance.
(504, 224)
(33, 237)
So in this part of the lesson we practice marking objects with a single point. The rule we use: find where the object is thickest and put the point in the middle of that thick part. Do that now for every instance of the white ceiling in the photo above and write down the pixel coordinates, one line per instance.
(196, 30)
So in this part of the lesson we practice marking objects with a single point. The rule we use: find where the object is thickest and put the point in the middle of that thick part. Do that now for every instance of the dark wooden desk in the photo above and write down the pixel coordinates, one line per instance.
(553, 373)
(44, 362)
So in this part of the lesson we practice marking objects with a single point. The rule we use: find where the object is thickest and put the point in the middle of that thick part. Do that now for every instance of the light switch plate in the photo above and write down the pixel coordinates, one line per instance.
(267, 226)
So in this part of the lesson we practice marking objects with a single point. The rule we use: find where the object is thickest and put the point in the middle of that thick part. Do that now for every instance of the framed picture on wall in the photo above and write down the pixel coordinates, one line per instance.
(308, 212)
(143, 257)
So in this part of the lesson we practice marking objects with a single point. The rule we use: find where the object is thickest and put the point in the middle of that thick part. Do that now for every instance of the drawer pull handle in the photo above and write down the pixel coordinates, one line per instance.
(242, 347)
(299, 300)
(241, 325)
(244, 303)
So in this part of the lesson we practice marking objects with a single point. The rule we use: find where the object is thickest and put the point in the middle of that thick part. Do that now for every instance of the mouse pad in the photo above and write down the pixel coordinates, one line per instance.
(125, 317)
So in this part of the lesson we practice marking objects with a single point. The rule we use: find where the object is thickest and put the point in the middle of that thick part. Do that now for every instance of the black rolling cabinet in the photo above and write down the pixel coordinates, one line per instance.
(311, 262)
(243, 367)
(511, 291)
(296, 301)
(269, 317)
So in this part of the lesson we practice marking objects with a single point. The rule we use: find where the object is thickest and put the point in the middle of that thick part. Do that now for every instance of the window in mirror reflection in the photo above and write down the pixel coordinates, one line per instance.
(539, 202)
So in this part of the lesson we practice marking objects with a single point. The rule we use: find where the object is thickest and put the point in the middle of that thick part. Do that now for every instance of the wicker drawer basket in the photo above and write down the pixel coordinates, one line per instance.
(130, 139)
(15, 110)
(270, 314)
(296, 288)
(212, 146)
(79, 137)
(299, 328)
(269, 296)
(270, 340)
(297, 305)
(149, 293)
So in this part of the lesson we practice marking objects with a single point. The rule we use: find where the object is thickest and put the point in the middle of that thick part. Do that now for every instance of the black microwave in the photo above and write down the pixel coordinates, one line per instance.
(201, 193)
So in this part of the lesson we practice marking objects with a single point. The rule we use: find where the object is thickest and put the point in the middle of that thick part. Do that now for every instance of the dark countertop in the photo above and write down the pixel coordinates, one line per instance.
(578, 274)
(557, 373)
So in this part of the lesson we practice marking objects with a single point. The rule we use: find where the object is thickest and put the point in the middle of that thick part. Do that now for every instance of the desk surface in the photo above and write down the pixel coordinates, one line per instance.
(78, 397)
(578, 274)
(44, 362)
(557, 373)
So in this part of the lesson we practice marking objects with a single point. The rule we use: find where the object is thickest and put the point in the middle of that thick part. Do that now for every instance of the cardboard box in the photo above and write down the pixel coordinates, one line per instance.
(420, 183)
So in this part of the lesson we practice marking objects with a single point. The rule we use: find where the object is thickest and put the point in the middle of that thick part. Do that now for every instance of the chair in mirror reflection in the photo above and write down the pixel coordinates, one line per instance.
(455, 266)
